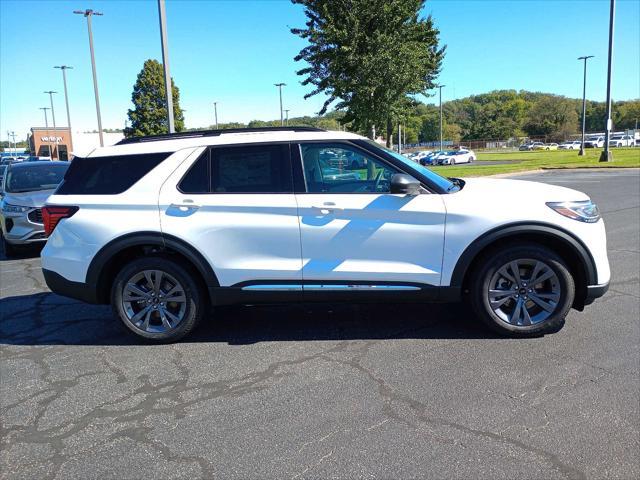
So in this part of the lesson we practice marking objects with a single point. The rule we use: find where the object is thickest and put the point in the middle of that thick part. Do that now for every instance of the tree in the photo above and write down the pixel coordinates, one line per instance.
(552, 116)
(368, 56)
(149, 115)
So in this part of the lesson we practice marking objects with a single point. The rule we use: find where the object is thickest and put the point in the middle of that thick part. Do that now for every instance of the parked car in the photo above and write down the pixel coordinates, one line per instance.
(165, 227)
(431, 158)
(524, 147)
(594, 141)
(539, 146)
(621, 141)
(550, 146)
(9, 160)
(421, 154)
(34, 158)
(570, 145)
(453, 157)
(24, 189)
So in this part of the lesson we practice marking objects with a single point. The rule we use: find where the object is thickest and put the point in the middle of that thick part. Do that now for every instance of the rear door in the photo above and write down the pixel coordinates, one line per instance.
(236, 205)
(354, 232)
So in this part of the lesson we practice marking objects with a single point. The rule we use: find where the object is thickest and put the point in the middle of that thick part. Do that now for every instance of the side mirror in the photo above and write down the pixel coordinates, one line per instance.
(406, 184)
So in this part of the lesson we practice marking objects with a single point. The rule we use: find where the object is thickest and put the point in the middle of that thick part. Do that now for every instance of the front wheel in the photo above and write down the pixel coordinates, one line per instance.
(522, 291)
(158, 299)
(9, 250)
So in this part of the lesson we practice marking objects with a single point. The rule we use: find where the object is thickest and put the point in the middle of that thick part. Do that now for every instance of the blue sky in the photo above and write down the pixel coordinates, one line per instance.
(234, 51)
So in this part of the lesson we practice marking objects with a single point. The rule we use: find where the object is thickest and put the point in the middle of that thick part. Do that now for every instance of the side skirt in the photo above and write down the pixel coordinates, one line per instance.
(278, 292)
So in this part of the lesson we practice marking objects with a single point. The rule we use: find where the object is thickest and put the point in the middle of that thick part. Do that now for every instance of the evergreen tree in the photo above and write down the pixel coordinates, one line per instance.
(149, 115)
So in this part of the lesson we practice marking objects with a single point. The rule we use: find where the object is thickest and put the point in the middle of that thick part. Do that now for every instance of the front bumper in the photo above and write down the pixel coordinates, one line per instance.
(594, 292)
(23, 228)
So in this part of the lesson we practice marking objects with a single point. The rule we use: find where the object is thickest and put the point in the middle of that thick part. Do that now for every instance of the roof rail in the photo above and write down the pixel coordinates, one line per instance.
(214, 133)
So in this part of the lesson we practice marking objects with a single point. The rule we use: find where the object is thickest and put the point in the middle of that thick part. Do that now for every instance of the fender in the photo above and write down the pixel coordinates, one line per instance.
(106, 253)
(513, 229)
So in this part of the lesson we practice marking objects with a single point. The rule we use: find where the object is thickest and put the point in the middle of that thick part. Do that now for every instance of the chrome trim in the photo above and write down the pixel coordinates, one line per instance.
(280, 287)
(360, 287)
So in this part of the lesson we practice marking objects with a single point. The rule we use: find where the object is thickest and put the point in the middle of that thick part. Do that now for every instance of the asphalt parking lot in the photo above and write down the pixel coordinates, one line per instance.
(343, 391)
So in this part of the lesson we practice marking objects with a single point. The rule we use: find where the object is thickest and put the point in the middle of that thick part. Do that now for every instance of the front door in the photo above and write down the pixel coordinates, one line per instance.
(354, 232)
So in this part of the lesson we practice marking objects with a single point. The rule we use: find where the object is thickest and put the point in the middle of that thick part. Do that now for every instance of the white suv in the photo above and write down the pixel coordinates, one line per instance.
(164, 227)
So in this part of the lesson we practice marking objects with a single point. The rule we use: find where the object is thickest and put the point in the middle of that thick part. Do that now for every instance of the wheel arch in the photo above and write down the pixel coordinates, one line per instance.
(110, 258)
(569, 247)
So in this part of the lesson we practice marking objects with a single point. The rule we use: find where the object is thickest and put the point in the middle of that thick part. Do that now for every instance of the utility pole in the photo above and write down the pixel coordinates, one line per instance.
(53, 116)
(280, 85)
(162, 13)
(584, 101)
(606, 155)
(441, 87)
(46, 125)
(287, 117)
(15, 145)
(215, 112)
(64, 68)
(399, 138)
(88, 14)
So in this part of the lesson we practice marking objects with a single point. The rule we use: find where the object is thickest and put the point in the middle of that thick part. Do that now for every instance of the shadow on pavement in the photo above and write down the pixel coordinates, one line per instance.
(48, 319)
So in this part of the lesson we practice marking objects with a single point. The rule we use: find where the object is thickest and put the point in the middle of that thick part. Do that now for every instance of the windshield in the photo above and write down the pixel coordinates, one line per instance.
(34, 178)
(442, 182)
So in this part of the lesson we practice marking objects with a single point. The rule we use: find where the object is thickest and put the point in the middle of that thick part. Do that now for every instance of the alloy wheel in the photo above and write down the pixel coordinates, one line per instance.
(524, 292)
(154, 301)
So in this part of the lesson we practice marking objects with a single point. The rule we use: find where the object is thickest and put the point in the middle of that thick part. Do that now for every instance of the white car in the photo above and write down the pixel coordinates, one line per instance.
(571, 145)
(621, 141)
(165, 227)
(454, 157)
(594, 141)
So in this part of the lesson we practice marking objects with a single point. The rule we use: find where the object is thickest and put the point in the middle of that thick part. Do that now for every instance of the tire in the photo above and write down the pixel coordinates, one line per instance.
(452, 161)
(471, 159)
(532, 320)
(149, 312)
(9, 250)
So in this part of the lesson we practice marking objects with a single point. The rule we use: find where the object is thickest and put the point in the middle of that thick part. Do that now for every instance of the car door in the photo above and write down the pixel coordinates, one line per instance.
(355, 232)
(235, 205)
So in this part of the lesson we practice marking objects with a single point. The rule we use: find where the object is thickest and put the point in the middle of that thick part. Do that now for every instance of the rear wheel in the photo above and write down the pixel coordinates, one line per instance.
(522, 291)
(157, 299)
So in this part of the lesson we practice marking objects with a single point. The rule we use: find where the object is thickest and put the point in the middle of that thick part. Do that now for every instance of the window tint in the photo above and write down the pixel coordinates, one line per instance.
(251, 169)
(342, 169)
(107, 175)
(197, 178)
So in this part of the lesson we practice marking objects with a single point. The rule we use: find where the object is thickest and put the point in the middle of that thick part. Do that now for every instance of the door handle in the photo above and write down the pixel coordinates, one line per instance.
(327, 208)
(184, 207)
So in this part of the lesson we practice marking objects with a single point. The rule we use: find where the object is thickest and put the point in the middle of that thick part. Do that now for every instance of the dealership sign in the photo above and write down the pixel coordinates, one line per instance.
(51, 139)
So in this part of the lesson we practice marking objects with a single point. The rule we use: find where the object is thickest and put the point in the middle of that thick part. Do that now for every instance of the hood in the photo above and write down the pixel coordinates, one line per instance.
(28, 199)
(503, 189)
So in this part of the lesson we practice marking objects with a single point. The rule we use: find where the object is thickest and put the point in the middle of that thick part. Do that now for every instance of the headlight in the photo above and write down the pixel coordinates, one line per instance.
(8, 208)
(585, 211)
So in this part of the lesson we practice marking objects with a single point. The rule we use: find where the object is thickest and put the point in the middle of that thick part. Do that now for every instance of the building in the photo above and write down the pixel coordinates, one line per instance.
(58, 144)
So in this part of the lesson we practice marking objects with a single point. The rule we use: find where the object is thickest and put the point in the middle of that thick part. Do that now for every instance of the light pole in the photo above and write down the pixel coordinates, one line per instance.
(64, 69)
(53, 115)
(215, 112)
(440, 88)
(162, 13)
(287, 117)
(584, 101)
(606, 155)
(46, 125)
(15, 145)
(88, 14)
(280, 85)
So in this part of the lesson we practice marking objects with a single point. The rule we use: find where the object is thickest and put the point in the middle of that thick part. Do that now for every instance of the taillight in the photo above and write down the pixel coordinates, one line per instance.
(52, 214)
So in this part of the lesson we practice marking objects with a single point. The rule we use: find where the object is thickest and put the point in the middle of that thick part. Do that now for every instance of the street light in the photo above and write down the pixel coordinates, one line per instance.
(53, 114)
(280, 85)
(64, 68)
(584, 101)
(440, 87)
(287, 117)
(88, 14)
(215, 112)
(162, 13)
(46, 124)
(606, 155)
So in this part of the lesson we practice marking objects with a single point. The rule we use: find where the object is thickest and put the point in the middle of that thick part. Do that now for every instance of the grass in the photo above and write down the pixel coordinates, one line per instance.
(542, 159)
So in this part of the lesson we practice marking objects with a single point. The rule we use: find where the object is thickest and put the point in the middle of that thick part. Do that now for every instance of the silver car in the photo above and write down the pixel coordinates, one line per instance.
(23, 191)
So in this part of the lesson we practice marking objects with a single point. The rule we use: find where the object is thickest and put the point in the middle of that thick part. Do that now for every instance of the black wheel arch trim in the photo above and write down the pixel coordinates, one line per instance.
(161, 240)
(513, 229)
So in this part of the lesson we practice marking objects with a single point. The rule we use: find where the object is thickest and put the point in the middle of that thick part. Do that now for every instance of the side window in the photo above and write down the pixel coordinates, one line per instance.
(343, 169)
(251, 169)
(197, 178)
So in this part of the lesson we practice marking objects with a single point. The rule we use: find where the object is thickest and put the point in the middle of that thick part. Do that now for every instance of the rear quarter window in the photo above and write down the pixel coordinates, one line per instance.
(109, 175)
